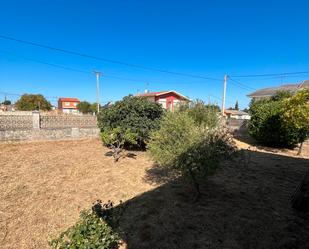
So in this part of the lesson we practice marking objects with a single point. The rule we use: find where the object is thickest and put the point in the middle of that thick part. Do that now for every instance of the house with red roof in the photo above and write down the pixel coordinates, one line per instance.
(68, 105)
(168, 99)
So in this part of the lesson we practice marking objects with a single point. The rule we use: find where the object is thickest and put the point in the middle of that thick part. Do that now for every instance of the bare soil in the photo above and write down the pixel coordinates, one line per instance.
(246, 204)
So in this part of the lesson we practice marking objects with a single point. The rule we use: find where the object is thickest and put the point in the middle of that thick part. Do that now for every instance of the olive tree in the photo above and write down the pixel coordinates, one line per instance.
(192, 149)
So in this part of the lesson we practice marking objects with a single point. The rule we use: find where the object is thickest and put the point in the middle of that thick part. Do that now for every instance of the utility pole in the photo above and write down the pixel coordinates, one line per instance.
(224, 93)
(97, 74)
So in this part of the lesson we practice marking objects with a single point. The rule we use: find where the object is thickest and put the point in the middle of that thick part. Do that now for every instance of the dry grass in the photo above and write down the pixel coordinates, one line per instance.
(44, 185)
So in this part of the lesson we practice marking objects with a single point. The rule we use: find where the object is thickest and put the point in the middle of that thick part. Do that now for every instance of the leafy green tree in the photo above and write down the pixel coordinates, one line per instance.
(31, 102)
(84, 107)
(116, 139)
(267, 124)
(137, 114)
(6, 102)
(296, 115)
(236, 105)
(194, 150)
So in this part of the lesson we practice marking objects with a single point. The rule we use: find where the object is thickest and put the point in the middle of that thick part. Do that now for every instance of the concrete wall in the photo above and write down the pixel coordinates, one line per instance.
(36, 126)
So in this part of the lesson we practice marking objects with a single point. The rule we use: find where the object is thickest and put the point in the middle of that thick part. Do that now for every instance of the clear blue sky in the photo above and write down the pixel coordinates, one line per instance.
(208, 38)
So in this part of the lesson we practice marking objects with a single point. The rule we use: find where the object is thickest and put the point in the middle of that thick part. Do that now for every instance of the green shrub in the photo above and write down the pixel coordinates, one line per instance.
(137, 114)
(267, 124)
(296, 115)
(116, 139)
(90, 231)
(194, 150)
(204, 114)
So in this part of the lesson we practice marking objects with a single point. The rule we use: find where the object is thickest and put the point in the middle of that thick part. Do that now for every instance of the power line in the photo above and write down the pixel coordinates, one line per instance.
(76, 70)
(105, 59)
(241, 85)
(271, 74)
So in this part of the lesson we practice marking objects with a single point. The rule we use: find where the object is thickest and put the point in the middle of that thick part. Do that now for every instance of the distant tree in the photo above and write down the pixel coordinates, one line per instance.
(31, 102)
(245, 110)
(236, 105)
(6, 102)
(84, 107)
(94, 108)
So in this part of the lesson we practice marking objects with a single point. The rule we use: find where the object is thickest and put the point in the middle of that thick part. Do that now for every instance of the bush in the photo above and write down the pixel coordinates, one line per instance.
(204, 114)
(91, 231)
(194, 150)
(137, 114)
(116, 139)
(267, 124)
(296, 115)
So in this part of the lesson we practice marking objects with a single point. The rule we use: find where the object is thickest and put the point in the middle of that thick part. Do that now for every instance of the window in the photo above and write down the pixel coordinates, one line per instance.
(67, 103)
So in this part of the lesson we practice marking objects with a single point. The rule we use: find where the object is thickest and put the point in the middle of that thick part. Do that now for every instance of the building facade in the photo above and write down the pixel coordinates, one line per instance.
(68, 105)
(168, 99)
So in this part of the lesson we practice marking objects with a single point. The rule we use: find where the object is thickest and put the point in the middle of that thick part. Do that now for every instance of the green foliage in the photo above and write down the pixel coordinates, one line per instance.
(31, 102)
(202, 114)
(193, 149)
(269, 124)
(90, 231)
(281, 95)
(296, 114)
(116, 139)
(6, 102)
(137, 114)
(84, 107)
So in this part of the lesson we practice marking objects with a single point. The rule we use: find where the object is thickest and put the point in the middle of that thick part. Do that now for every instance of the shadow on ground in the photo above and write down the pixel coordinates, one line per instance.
(245, 205)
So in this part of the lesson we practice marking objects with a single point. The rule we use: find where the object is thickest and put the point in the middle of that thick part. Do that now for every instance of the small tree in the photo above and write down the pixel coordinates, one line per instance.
(296, 115)
(116, 139)
(31, 102)
(194, 150)
(84, 107)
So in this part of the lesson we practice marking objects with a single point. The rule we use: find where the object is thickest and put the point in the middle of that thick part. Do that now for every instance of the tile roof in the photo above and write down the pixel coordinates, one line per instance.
(69, 99)
(235, 112)
(154, 94)
(265, 92)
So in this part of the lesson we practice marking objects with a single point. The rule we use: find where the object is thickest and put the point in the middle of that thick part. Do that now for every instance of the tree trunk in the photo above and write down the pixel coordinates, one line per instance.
(300, 198)
(300, 148)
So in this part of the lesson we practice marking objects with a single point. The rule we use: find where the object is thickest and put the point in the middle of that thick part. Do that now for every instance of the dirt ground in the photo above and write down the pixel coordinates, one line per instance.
(246, 204)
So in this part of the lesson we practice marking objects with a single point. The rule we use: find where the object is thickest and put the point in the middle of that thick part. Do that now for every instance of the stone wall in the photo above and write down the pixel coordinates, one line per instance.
(48, 134)
(15, 122)
(43, 126)
(66, 121)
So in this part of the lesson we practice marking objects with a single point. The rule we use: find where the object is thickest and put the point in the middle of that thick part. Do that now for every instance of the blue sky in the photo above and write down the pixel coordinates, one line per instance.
(208, 38)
